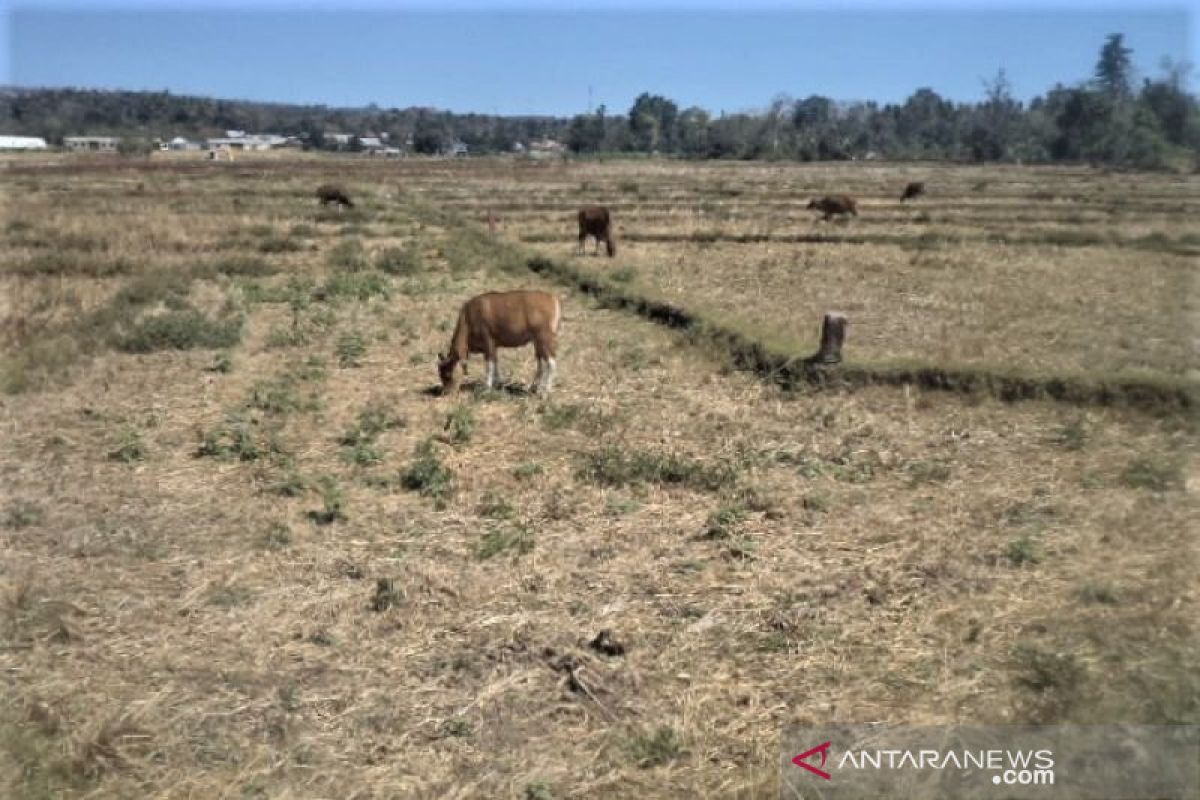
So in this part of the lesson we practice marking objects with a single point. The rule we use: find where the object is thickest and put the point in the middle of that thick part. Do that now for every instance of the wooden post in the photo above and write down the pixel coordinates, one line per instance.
(491, 220)
(833, 336)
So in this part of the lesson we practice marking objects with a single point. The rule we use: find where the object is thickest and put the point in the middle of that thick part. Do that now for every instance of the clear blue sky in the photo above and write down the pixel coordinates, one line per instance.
(541, 57)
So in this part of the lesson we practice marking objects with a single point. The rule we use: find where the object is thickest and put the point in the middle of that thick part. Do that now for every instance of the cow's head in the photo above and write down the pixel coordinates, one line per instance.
(813, 204)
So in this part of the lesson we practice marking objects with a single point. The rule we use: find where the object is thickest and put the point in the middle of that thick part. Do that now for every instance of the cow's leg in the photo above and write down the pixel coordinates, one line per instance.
(493, 367)
(582, 239)
(535, 386)
(545, 347)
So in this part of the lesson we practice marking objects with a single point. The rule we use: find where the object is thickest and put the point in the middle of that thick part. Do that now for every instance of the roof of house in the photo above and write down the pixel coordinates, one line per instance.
(22, 142)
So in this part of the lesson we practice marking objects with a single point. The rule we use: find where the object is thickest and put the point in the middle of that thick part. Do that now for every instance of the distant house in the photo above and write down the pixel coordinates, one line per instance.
(180, 143)
(370, 143)
(92, 144)
(339, 139)
(546, 145)
(247, 141)
(22, 142)
(264, 141)
(457, 148)
(545, 148)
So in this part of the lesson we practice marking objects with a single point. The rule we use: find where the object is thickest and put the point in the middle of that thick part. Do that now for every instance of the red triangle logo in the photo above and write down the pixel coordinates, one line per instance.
(823, 749)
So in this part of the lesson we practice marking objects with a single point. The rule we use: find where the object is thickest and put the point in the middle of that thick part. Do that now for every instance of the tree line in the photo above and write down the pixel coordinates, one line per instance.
(1107, 120)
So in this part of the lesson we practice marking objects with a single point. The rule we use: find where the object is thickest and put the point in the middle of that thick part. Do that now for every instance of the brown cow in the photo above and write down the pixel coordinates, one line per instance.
(835, 204)
(912, 190)
(595, 221)
(504, 319)
(328, 193)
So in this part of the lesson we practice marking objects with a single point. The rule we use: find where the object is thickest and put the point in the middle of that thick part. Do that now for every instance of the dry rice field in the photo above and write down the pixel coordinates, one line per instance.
(249, 551)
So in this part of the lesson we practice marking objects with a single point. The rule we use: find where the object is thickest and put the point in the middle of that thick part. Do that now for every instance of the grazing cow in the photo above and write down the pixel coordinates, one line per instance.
(504, 319)
(835, 204)
(328, 193)
(594, 221)
(913, 189)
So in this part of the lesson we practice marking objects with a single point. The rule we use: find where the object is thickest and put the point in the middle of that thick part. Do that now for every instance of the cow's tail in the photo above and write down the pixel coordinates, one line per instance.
(557, 318)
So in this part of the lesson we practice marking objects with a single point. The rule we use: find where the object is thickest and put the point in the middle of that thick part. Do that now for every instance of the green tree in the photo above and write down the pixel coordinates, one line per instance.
(1114, 70)
(652, 122)
(693, 126)
(587, 131)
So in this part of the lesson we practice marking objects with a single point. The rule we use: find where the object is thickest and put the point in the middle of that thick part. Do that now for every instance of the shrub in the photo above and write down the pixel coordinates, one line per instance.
(494, 506)
(1158, 475)
(351, 347)
(721, 523)
(277, 396)
(237, 439)
(386, 595)
(1044, 671)
(22, 514)
(399, 261)
(243, 266)
(428, 475)
(1023, 550)
(279, 244)
(180, 330)
(222, 362)
(372, 421)
(613, 467)
(277, 537)
(518, 539)
(528, 471)
(293, 484)
(348, 256)
(130, 447)
(655, 748)
(928, 472)
(460, 423)
(457, 727)
(360, 286)
(363, 454)
(1073, 435)
(333, 503)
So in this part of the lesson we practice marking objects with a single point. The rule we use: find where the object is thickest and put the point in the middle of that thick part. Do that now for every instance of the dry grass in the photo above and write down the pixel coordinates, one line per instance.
(278, 617)
(1053, 270)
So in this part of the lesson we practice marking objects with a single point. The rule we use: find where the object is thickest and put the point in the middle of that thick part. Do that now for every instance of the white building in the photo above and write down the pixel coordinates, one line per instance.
(22, 142)
(247, 141)
(92, 144)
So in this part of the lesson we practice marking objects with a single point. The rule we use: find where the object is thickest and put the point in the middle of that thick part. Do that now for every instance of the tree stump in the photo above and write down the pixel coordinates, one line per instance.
(833, 336)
